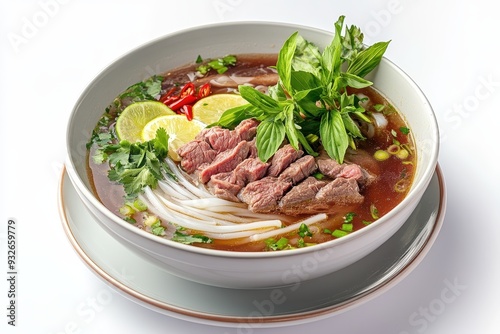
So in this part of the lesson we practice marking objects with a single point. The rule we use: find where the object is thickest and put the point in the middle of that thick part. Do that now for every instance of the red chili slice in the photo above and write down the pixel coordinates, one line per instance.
(188, 111)
(167, 95)
(187, 90)
(176, 105)
(204, 91)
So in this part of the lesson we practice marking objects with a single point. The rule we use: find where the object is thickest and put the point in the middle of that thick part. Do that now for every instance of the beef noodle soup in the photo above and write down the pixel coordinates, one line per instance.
(218, 182)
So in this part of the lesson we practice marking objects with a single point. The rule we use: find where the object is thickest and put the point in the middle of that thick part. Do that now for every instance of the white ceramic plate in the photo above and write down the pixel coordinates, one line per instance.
(149, 285)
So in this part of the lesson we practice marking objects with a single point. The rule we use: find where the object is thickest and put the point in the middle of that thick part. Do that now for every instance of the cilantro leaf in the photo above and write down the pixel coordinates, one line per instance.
(136, 165)
(188, 239)
(141, 91)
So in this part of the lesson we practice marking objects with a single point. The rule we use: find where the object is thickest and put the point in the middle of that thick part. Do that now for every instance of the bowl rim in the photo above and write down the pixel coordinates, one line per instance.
(416, 188)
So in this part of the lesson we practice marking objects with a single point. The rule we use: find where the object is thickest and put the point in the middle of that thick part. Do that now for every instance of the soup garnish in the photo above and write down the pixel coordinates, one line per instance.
(310, 153)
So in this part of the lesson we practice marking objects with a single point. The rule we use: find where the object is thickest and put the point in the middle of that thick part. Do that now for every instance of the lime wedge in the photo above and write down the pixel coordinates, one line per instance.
(134, 117)
(178, 128)
(209, 109)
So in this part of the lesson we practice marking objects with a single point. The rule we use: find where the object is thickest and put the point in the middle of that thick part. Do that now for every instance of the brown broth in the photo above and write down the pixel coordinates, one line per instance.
(381, 194)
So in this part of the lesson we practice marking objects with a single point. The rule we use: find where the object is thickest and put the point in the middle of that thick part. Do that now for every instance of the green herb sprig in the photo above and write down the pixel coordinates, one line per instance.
(221, 65)
(311, 96)
(135, 165)
(141, 91)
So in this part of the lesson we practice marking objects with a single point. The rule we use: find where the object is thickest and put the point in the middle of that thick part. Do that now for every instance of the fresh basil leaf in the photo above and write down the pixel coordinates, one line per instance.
(352, 43)
(355, 81)
(259, 100)
(290, 129)
(231, 117)
(277, 92)
(306, 100)
(333, 135)
(301, 80)
(331, 57)
(284, 62)
(307, 57)
(270, 135)
(305, 144)
(367, 59)
(351, 126)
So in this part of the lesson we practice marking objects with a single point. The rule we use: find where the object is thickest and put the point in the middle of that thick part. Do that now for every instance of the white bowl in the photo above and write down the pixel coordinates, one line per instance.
(240, 269)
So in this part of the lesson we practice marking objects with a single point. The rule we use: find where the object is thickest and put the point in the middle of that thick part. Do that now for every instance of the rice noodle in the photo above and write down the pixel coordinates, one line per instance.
(182, 202)
(290, 228)
(201, 225)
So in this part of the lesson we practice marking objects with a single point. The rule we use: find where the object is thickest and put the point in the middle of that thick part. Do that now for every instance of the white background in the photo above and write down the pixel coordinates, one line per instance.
(50, 51)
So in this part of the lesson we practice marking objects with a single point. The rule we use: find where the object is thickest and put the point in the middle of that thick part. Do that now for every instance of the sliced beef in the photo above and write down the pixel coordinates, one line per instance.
(264, 195)
(283, 158)
(247, 129)
(303, 192)
(227, 185)
(315, 196)
(253, 149)
(224, 162)
(219, 139)
(340, 191)
(348, 170)
(194, 154)
(250, 170)
(224, 186)
(329, 167)
(299, 170)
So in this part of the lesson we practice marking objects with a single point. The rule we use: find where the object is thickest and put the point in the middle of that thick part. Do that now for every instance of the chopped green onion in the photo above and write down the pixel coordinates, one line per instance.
(127, 210)
(347, 227)
(139, 205)
(393, 149)
(282, 243)
(304, 231)
(381, 155)
(402, 154)
(349, 217)
(129, 220)
(339, 233)
(312, 138)
(151, 220)
(318, 176)
(404, 130)
(378, 107)
(402, 186)
(374, 211)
